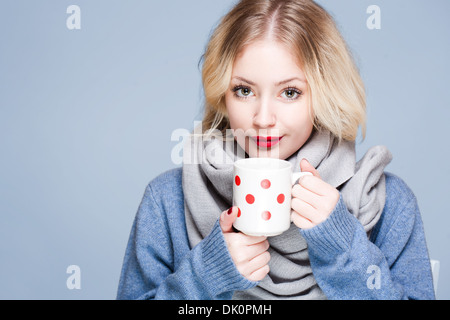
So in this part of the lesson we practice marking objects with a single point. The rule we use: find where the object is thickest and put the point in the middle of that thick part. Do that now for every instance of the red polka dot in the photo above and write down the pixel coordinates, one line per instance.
(266, 215)
(265, 184)
(280, 198)
(249, 198)
(239, 213)
(237, 180)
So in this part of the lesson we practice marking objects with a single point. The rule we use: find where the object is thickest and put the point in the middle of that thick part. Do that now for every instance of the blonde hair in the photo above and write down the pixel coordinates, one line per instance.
(334, 83)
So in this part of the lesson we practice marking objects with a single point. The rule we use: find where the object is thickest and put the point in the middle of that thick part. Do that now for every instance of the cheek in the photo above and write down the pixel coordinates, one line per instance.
(238, 121)
(298, 119)
(299, 125)
(302, 124)
(303, 129)
(230, 110)
(237, 114)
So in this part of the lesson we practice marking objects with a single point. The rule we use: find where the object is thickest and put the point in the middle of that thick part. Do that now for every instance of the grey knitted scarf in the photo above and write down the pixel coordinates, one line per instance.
(207, 186)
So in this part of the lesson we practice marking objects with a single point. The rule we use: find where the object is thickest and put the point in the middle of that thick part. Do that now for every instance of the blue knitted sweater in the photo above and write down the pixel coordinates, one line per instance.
(392, 264)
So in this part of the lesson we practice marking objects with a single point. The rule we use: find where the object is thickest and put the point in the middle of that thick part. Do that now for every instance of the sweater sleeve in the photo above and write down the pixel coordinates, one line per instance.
(149, 270)
(347, 265)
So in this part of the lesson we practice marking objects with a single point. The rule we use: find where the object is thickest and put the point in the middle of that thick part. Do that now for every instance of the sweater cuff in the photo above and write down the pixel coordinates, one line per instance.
(334, 235)
(220, 272)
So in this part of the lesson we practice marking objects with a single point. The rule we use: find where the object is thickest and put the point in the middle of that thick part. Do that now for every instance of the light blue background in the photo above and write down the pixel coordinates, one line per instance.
(86, 118)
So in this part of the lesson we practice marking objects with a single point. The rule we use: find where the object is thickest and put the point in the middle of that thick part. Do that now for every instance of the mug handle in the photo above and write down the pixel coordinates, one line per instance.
(298, 175)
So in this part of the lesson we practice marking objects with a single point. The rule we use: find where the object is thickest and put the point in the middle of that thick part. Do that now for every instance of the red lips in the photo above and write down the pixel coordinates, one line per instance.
(266, 142)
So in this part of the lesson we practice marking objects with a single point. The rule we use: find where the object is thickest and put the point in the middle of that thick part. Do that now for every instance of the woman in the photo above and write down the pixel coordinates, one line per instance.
(279, 79)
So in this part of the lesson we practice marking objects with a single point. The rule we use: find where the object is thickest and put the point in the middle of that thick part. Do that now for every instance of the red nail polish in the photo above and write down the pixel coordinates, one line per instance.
(230, 210)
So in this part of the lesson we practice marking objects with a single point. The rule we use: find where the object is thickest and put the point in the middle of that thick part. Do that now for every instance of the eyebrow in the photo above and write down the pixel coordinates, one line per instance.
(276, 84)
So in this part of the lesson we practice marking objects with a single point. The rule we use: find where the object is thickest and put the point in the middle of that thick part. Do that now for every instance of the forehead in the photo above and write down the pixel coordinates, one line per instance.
(268, 60)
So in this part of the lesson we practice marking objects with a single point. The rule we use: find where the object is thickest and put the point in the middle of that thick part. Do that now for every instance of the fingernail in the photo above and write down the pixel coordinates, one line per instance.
(230, 210)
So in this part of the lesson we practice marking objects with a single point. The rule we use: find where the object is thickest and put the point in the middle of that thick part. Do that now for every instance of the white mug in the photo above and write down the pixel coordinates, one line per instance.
(262, 192)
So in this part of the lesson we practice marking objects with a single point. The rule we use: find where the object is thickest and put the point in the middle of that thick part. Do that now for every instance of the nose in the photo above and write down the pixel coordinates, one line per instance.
(264, 116)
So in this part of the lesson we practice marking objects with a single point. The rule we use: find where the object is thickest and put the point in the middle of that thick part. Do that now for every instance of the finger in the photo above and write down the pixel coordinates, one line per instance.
(259, 261)
(304, 209)
(315, 184)
(227, 219)
(300, 192)
(301, 221)
(305, 166)
(255, 250)
(244, 244)
(252, 240)
(259, 274)
(241, 253)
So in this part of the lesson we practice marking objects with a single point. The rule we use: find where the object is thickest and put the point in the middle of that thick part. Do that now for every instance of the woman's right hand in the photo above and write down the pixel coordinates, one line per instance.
(249, 253)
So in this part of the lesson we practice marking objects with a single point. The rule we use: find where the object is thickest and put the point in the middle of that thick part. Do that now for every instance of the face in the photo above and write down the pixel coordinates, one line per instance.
(267, 101)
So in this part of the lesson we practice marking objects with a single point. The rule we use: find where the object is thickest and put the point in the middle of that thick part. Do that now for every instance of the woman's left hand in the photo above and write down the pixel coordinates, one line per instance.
(313, 199)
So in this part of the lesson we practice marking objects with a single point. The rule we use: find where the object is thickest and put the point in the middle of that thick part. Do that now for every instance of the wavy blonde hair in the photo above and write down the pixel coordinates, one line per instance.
(334, 83)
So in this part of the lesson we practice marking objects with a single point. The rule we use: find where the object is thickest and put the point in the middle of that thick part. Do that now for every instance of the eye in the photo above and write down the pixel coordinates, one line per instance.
(242, 91)
(291, 93)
